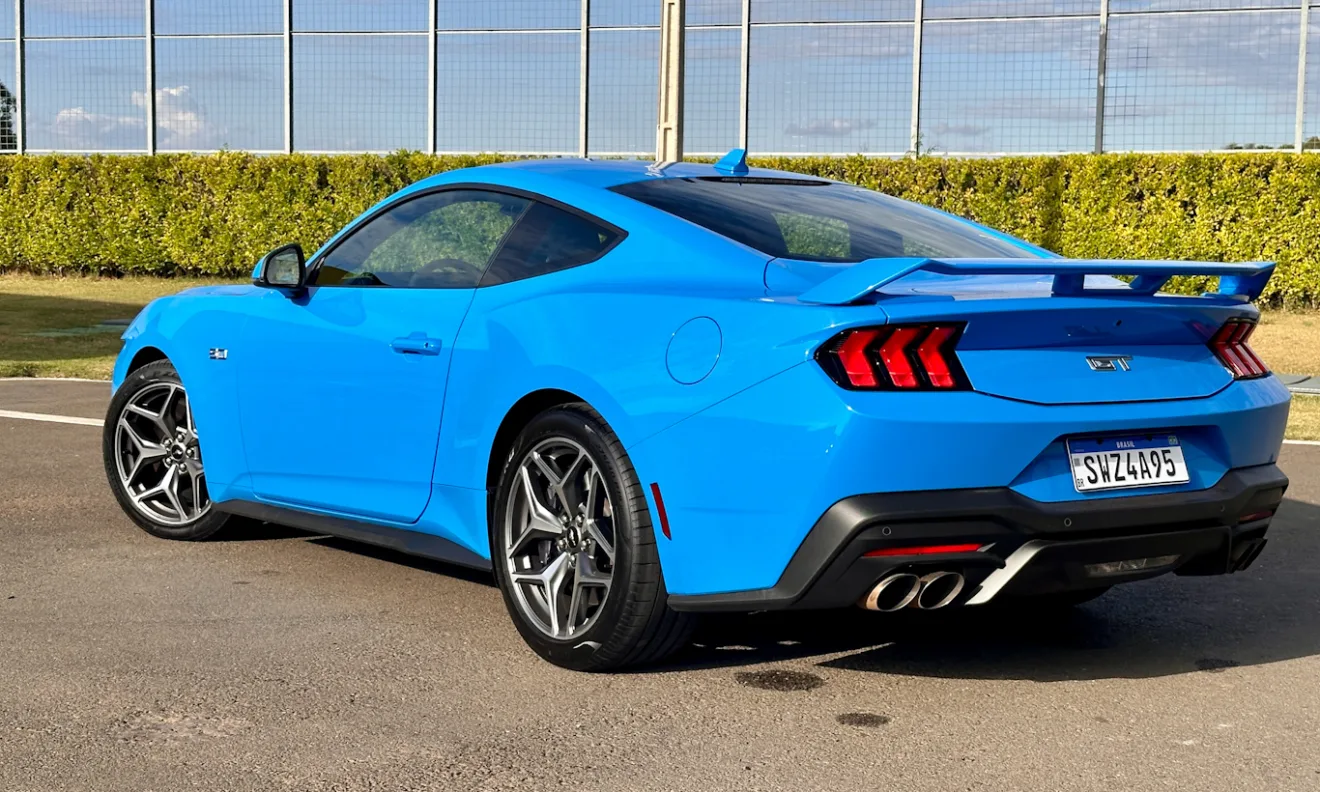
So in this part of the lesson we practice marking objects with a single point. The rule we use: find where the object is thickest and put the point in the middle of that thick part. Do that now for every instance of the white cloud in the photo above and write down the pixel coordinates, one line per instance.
(81, 128)
(181, 121)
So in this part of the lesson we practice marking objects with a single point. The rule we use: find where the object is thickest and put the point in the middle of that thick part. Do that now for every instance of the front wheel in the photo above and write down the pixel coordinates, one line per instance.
(153, 458)
(573, 550)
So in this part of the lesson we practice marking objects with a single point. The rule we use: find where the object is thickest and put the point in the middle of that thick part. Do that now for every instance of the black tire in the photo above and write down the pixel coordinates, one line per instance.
(140, 381)
(634, 625)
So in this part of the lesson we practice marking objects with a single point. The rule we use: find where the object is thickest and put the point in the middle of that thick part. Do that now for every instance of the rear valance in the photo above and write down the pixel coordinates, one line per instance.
(1244, 280)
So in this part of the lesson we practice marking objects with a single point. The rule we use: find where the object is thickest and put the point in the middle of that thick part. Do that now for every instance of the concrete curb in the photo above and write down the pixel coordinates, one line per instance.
(1301, 383)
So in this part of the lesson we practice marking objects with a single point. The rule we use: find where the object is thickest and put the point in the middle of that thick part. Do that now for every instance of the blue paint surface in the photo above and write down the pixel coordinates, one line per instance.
(703, 364)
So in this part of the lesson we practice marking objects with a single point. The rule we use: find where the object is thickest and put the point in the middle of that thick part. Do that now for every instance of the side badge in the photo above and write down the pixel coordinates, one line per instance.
(219, 354)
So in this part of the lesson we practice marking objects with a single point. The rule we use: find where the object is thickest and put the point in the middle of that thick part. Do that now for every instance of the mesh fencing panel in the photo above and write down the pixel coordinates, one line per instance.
(825, 76)
(983, 9)
(834, 89)
(623, 86)
(510, 15)
(509, 92)
(8, 100)
(220, 93)
(375, 16)
(86, 95)
(189, 17)
(359, 93)
(711, 77)
(1311, 95)
(1009, 86)
(1201, 81)
(83, 18)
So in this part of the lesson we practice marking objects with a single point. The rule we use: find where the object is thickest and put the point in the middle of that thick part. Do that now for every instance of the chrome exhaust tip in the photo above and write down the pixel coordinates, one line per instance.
(893, 593)
(938, 589)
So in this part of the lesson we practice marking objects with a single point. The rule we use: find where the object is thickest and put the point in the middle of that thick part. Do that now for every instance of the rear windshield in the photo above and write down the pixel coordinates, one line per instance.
(816, 220)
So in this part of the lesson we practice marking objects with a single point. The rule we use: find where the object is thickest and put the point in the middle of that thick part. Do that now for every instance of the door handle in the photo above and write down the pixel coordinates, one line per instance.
(416, 344)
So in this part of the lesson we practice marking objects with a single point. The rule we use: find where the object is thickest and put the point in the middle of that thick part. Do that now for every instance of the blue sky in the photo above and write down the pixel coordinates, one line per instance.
(1175, 81)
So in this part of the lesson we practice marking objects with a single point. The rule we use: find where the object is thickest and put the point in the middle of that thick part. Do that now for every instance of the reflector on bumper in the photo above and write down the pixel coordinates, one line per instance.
(1111, 568)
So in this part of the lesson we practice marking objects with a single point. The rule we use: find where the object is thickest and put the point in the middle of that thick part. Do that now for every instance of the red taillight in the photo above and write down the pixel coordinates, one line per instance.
(1230, 345)
(894, 357)
(886, 552)
(931, 355)
(855, 359)
(897, 357)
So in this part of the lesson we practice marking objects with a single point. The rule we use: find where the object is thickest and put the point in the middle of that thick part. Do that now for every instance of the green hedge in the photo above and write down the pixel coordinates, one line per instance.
(215, 214)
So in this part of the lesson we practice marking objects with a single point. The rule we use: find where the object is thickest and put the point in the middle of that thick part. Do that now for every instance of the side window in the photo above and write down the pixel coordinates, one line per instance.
(441, 240)
(548, 240)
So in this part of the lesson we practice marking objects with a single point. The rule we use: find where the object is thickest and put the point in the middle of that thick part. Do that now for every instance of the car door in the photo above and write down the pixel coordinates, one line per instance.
(341, 389)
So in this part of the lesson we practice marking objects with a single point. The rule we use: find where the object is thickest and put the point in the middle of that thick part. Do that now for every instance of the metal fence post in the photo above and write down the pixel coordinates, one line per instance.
(1102, 66)
(20, 81)
(150, 20)
(1299, 142)
(433, 13)
(669, 127)
(288, 76)
(584, 76)
(914, 138)
(745, 76)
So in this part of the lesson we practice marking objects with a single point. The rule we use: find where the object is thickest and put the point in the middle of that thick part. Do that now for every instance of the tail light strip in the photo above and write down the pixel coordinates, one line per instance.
(1229, 344)
(895, 357)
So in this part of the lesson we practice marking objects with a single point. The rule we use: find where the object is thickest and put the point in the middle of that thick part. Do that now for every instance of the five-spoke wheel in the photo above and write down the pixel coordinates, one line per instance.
(153, 457)
(559, 538)
(573, 548)
(159, 462)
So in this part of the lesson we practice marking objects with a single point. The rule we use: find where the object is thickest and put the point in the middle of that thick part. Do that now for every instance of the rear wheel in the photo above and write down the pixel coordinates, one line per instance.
(153, 457)
(573, 549)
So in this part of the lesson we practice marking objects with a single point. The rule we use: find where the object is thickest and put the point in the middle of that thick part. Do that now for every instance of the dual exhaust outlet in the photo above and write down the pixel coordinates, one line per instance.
(905, 590)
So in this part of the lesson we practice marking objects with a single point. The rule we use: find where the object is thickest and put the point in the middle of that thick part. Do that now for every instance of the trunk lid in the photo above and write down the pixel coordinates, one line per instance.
(1058, 331)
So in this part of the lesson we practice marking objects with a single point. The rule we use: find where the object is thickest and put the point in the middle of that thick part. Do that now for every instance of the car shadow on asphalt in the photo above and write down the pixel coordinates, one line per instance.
(1170, 625)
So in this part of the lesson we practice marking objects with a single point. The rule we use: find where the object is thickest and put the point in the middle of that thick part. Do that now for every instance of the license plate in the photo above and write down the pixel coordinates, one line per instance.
(1121, 462)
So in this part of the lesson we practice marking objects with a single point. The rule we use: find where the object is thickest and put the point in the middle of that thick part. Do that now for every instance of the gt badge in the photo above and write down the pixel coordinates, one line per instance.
(1109, 362)
(219, 354)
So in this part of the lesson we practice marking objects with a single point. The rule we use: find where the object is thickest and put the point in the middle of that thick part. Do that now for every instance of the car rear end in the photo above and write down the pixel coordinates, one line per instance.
(967, 429)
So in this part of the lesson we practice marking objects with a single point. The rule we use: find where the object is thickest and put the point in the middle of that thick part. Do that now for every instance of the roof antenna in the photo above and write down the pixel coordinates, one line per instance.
(734, 163)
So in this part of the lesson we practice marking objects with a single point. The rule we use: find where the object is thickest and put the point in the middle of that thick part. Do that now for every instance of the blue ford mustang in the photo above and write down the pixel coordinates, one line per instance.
(641, 392)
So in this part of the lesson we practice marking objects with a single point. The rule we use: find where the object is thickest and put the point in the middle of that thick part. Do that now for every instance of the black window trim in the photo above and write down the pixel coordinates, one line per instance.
(314, 266)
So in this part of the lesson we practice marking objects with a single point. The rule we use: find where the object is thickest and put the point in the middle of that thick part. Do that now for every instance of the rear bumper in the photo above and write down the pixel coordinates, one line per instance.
(1033, 547)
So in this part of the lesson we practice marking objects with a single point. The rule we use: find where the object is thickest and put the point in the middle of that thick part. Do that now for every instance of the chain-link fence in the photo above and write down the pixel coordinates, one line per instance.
(881, 77)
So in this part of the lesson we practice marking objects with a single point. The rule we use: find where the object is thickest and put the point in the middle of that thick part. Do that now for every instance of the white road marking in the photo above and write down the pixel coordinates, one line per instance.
(1302, 442)
(53, 379)
(62, 419)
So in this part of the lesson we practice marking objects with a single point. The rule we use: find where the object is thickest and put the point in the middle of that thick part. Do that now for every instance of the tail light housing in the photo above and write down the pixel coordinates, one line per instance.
(905, 357)
(1229, 344)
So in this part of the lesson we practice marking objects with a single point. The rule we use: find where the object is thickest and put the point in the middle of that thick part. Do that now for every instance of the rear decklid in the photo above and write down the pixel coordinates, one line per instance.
(1051, 330)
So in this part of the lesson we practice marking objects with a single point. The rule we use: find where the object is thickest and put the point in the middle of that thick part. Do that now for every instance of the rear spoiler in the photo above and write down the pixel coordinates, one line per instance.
(1246, 280)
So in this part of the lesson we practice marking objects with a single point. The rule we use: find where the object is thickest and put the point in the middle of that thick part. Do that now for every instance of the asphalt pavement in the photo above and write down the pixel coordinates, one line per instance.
(275, 659)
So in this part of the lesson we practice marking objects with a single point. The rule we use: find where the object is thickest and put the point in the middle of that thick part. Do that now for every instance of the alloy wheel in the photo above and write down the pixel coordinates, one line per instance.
(559, 539)
(158, 457)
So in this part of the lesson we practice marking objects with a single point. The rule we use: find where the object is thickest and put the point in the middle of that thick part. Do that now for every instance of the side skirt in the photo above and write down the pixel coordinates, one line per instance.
(401, 539)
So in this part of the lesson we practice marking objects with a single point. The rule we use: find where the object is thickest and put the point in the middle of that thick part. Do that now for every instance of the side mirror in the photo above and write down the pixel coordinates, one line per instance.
(282, 268)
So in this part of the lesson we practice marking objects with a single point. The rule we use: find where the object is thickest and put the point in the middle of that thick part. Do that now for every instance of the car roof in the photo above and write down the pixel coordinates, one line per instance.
(599, 174)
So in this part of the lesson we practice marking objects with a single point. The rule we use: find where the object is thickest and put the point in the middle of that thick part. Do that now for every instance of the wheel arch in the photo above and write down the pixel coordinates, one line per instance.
(145, 356)
(515, 420)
